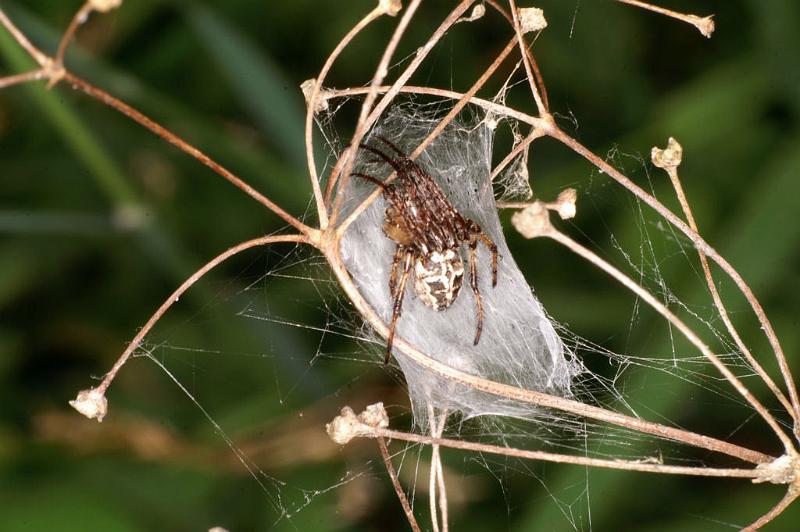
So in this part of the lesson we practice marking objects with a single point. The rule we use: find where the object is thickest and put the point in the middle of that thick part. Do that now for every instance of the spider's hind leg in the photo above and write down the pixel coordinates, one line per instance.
(398, 294)
(473, 282)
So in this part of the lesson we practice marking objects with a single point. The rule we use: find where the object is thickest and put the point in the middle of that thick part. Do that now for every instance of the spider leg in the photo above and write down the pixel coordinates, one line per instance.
(477, 233)
(398, 303)
(398, 256)
(391, 162)
(370, 179)
(473, 282)
(392, 146)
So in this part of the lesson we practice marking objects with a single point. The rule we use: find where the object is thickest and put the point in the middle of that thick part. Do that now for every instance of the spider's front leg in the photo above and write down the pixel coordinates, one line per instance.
(407, 256)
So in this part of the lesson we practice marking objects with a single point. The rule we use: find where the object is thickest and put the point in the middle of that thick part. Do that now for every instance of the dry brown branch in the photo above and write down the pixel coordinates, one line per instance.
(398, 489)
(669, 159)
(347, 426)
(704, 25)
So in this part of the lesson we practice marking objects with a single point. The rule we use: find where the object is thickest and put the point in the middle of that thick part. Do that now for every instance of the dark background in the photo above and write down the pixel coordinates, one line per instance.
(100, 221)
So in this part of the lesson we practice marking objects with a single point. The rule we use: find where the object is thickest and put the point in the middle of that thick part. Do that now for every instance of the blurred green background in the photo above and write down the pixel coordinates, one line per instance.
(100, 221)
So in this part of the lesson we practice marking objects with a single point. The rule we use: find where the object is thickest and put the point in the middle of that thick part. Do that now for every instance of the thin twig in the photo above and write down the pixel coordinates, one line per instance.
(794, 407)
(135, 115)
(176, 295)
(25, 77)
(544, 400)
(690, 335)
(387, 460)
(704, 25)
(80, 17)
(519, 148)
(364, 122)
(698, 241)
(776, 510)
(523, 51)
(643, 466)
(531, 58)
(312, 109)
(39, 56)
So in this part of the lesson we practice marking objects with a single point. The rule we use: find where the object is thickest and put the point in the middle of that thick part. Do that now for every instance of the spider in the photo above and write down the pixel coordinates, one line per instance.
(429, 232)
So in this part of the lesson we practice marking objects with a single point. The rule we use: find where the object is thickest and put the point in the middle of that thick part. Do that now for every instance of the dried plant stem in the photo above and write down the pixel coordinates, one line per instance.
(698, 241)
(519, 148)
(80, 17)
(138, 117)
(393, 91)
(25, 77)
(39, 56)
(523, 47)
(363, 124)
(175, 296)
(776, 510)
(643, 466)
(530, 396)
(531, 58)
(704, 25)
(387, 460)
(436, 483)
(659, 307)
(312, 109)
(794, 407)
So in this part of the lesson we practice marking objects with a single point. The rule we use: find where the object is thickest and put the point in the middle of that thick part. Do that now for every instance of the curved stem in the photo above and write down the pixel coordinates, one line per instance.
(659, 307)
(530, 396)
(312, 109)
(776, 510)
(175, 296)
(699, 242)
(793, 408)
(79, 18)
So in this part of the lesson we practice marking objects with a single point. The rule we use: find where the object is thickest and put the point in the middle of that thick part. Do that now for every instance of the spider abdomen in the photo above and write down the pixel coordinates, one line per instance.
(438, 278)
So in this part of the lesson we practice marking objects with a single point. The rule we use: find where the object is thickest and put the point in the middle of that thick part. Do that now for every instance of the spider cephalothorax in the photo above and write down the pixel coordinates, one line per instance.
(429, 233)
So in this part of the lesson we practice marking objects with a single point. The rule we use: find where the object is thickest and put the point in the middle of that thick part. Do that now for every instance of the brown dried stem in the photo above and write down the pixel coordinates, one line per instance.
(312, 109)
(776, 510)
(138, 117)
(704, 25)
(523, 47)
(794, 407)
(398, 489)
(39, 56)
(451, 115)
(690, 335)
(100, 389)
(698, 241)
(25, 77)
(79, 18)
(644, 466)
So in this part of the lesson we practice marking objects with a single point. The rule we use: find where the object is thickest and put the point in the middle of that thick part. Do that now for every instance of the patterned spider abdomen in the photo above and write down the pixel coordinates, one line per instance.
(438, 277)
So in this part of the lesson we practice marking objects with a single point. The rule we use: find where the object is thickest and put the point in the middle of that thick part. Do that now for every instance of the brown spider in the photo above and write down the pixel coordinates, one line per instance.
(428, 231)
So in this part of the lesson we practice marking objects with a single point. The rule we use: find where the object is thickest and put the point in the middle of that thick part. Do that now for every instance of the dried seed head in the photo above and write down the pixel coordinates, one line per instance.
(531, 19)
(668, 158)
